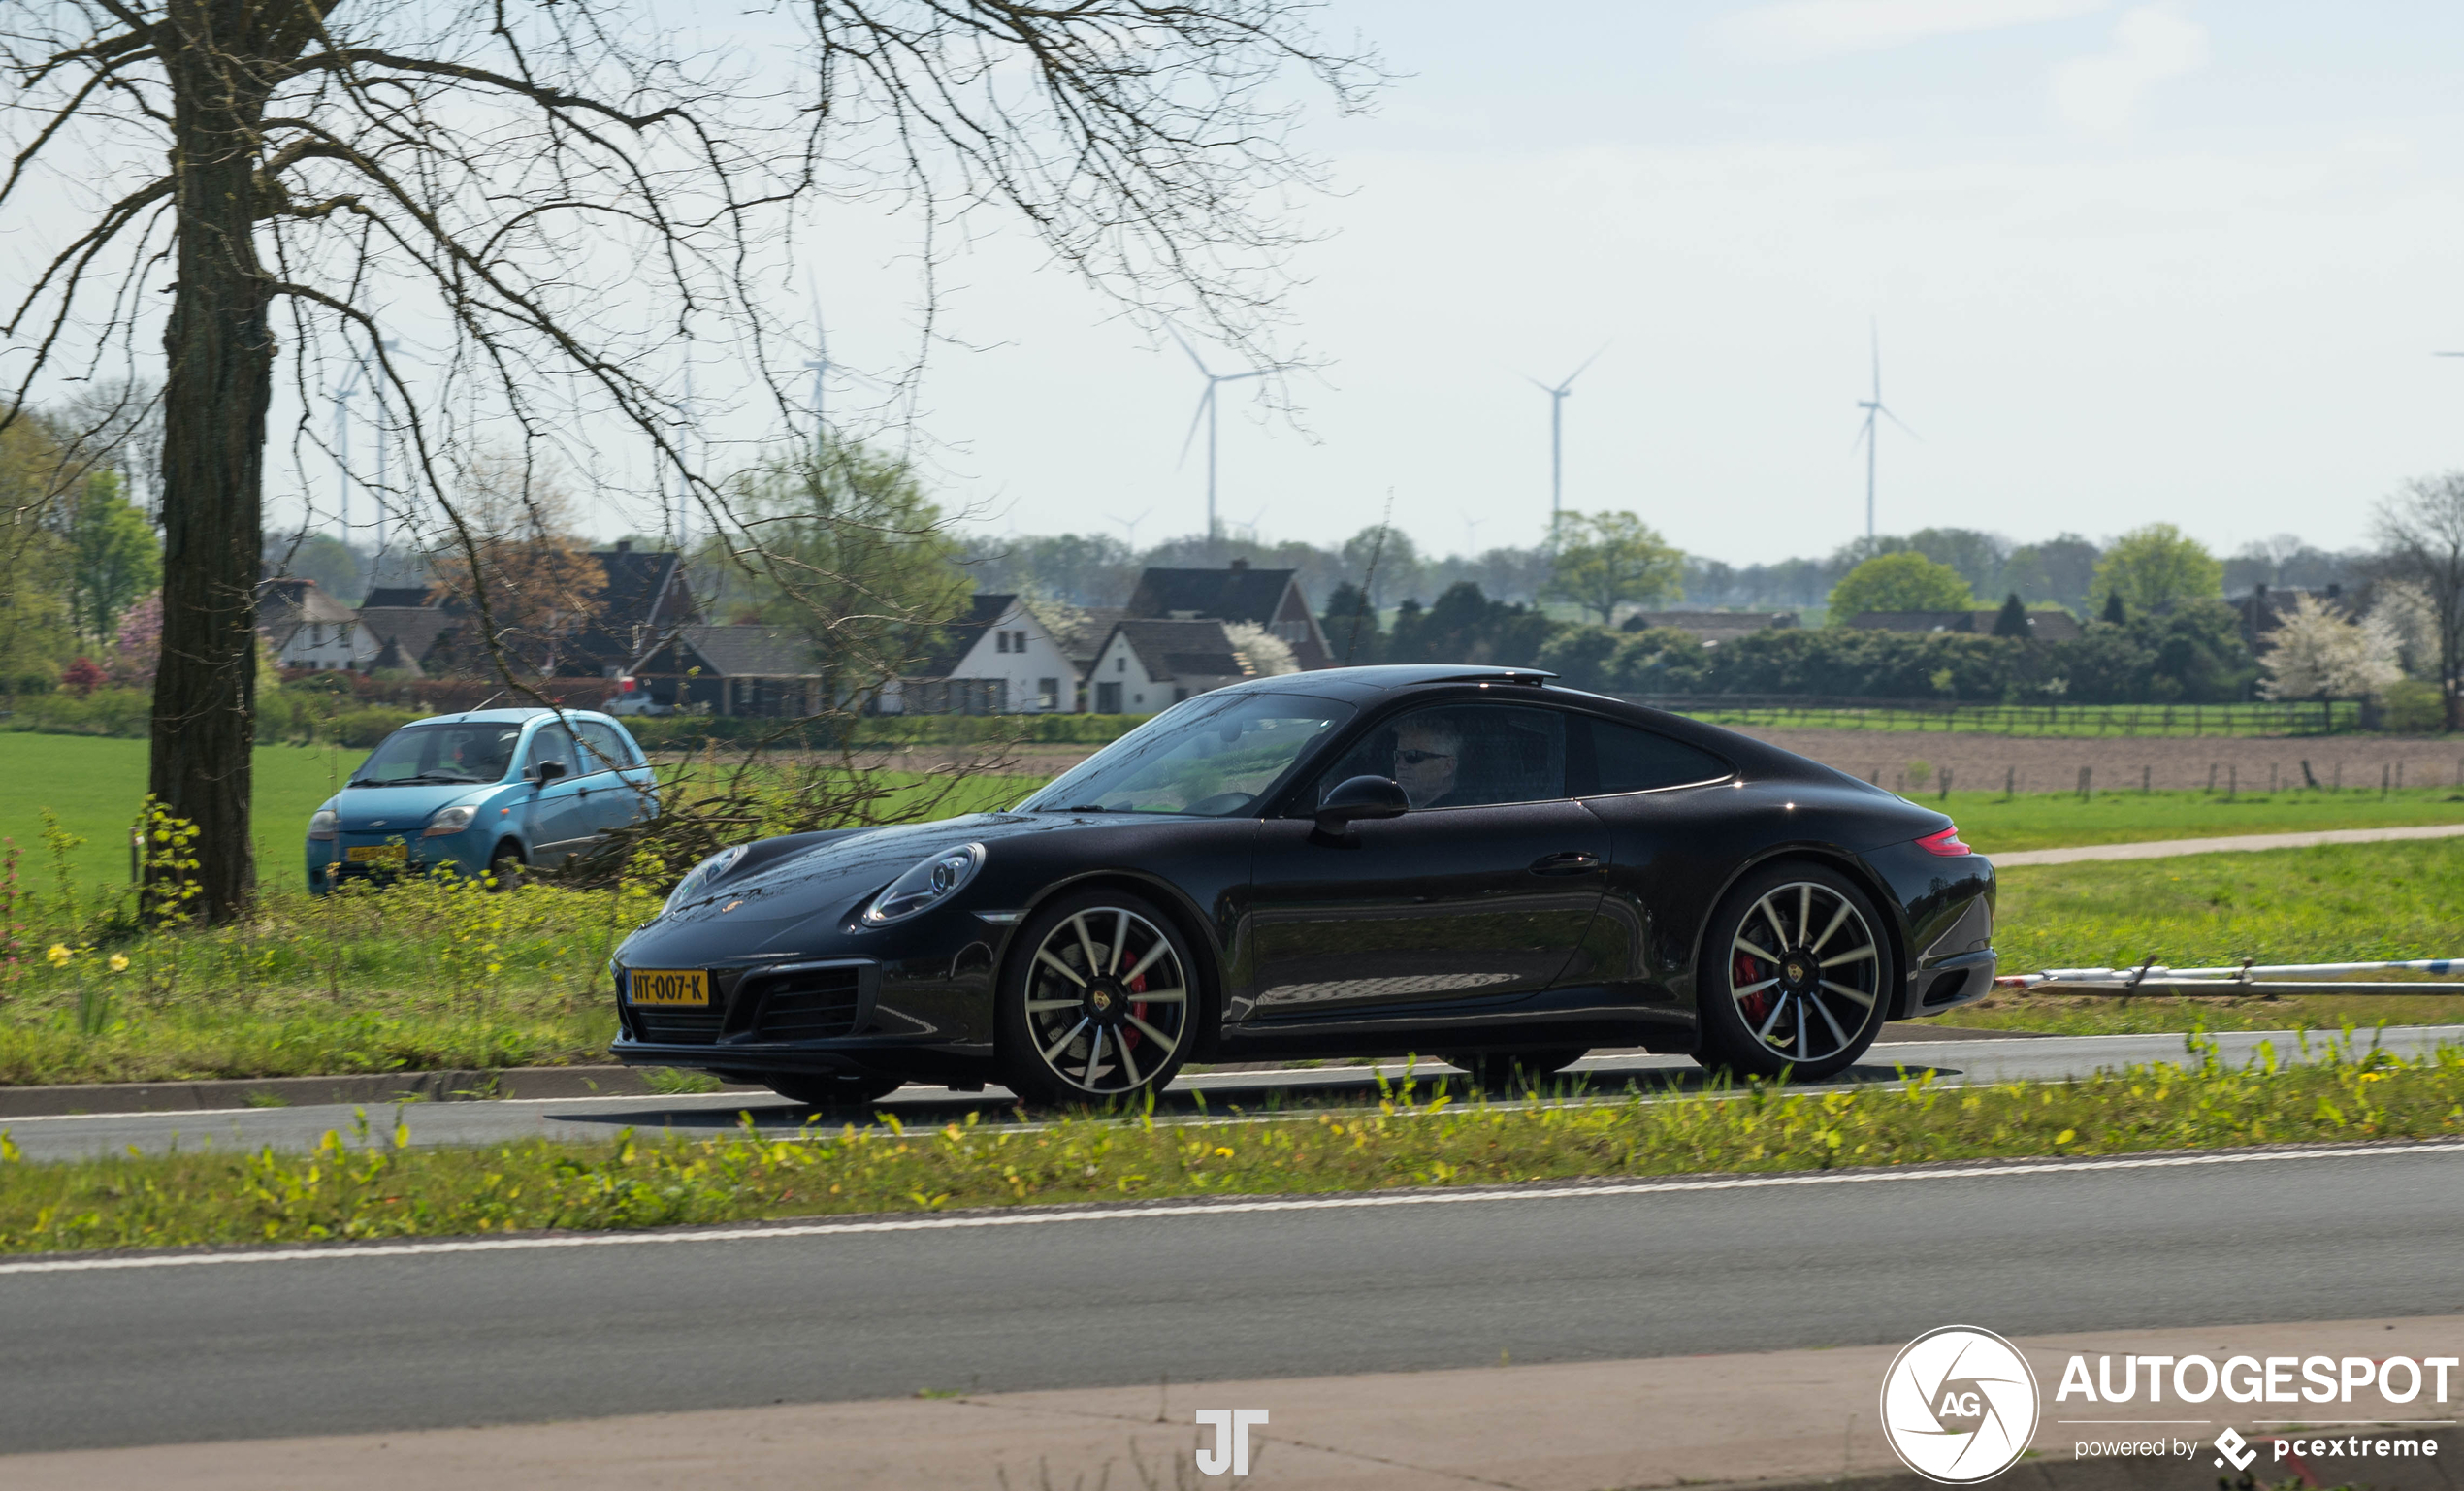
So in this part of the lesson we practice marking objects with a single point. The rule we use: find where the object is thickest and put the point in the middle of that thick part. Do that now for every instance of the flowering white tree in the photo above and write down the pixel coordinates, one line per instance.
(1267, 654)
(2316, 652)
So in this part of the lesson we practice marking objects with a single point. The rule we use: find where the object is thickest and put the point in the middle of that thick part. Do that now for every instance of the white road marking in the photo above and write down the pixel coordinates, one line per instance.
(1355, 1201)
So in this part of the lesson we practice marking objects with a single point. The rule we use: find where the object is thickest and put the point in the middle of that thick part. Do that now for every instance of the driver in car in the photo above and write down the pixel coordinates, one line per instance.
(1427, 752)
(484, 757)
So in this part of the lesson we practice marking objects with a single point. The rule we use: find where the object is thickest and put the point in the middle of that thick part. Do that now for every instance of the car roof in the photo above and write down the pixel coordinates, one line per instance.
(504, 716)
(1357, 684)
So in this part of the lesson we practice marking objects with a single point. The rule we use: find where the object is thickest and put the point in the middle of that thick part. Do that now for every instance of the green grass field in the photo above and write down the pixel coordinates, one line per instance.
(95, 786)
(2336, 903)
(1999, 825)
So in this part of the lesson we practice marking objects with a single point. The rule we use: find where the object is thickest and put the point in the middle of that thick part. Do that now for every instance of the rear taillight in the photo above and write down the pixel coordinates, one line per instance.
(1945, 843)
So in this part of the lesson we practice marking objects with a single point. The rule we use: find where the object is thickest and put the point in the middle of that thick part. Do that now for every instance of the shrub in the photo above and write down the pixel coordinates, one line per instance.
(2414, 707)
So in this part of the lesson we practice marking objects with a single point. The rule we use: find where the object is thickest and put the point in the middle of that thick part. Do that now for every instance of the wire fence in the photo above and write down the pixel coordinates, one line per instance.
(2302, 717)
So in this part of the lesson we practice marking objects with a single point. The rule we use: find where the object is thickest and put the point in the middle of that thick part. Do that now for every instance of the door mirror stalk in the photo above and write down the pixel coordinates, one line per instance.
(1357, 798)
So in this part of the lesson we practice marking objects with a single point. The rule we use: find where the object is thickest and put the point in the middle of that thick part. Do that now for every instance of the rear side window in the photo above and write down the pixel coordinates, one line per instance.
(603, 748)
(1627, 759)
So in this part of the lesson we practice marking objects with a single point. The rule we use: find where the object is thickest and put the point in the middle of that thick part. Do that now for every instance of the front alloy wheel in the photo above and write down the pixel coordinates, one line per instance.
(1100, 1005)
(1794, 975)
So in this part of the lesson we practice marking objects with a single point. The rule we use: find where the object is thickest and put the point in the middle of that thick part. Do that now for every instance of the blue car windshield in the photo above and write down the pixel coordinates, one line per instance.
(417, 753)
(1214, 754)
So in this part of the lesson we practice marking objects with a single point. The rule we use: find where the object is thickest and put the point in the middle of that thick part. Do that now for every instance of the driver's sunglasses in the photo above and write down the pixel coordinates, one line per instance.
(1420, 757)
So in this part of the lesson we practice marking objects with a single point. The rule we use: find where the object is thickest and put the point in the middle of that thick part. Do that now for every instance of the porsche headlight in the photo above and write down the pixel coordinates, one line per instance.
(324, 824)
(702, 875)
(927, 886)
(450, 821)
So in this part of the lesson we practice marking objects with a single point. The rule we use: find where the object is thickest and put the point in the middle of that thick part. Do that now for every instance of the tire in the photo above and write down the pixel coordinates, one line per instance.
(506, 866)
(1064, 1037)
(833, 1090)
(1797, 974)
(1505, 1071)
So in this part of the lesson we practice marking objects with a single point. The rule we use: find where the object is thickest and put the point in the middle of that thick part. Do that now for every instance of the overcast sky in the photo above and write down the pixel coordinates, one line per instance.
(2178, 261)
(2172, 261)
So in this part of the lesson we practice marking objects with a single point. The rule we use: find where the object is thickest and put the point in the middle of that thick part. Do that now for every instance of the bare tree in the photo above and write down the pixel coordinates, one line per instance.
(534, 182)
(2422, 529)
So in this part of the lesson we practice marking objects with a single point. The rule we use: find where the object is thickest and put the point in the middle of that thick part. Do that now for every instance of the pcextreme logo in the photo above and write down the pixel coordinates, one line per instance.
(1959, 1405)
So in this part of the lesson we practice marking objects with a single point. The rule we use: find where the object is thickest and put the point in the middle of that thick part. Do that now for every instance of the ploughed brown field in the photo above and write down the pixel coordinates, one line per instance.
(1982, 763)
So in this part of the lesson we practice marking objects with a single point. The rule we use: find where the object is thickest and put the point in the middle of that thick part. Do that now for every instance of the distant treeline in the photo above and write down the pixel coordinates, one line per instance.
(2193, 654)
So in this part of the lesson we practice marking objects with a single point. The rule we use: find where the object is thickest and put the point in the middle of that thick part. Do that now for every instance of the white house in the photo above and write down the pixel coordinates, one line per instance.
(309, 629)
(998, 660)
(1149, 665)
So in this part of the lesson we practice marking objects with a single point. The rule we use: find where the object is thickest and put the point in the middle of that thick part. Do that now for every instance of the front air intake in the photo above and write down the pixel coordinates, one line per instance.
(815, 1002)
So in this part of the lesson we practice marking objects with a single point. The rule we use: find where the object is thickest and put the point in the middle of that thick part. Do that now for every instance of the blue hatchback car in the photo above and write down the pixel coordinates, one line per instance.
(487, 793)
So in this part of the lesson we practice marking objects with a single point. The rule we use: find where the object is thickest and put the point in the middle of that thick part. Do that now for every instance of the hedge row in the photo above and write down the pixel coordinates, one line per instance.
(312, 716)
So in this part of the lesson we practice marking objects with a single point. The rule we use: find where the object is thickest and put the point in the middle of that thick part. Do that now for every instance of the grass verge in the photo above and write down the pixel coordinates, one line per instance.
(1999, 825)
(371, 1184)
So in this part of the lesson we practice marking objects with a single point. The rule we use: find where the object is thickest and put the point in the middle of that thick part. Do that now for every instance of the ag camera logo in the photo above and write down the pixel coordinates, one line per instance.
(1959, 1405)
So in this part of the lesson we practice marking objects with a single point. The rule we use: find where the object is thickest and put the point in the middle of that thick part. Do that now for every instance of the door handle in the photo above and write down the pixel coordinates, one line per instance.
(1572, 861)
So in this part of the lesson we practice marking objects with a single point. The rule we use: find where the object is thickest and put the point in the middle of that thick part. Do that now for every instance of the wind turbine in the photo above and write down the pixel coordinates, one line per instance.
(1875, 409)
(1207, 412)
(343, 396)
(1557, 439)
(1129, 526)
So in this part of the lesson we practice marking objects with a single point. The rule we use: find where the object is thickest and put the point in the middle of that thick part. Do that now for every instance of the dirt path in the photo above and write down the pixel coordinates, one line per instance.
(2162, 849)
(2052, 764)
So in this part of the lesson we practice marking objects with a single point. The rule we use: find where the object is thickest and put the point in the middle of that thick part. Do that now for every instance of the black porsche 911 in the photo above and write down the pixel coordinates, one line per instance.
(1459, 862)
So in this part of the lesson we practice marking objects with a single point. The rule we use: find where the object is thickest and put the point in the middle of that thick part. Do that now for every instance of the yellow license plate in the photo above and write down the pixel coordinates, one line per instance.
(671, 990)
(374, 853)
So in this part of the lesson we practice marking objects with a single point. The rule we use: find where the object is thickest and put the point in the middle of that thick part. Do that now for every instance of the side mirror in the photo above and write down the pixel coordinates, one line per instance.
(1360, 798)
(550, 771)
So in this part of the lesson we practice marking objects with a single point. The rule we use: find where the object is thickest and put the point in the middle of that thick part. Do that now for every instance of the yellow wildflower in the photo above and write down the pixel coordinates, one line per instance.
(119, 962)
(59, 955)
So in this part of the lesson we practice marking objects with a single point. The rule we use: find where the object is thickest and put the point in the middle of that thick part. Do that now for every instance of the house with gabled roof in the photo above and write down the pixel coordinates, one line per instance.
(755, 669)
(644, 601)
(1147, 665)
(1001, 657)
(309, 629)
(1272, 598)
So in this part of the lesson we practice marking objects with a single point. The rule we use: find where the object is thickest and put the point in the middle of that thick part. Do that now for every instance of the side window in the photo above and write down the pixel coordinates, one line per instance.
(1627, 759)
(604, 749)
(1455, 756)
(549, 743)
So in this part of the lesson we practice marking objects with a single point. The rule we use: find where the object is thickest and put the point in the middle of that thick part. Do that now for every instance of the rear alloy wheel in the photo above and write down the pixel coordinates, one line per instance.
(1513, 1070)
(833, 1090)
(1098, 1003)
(1794, 975)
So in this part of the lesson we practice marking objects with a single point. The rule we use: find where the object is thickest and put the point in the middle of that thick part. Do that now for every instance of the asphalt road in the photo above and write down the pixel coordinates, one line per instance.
(595, 1118)
(437, 1334)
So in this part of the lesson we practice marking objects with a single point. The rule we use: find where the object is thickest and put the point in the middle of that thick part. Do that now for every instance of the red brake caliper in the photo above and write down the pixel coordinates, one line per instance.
(1741, 972)
(1128, 1036)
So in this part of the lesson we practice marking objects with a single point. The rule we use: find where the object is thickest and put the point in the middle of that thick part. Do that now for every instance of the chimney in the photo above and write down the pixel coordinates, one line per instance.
(1240, 566)
(624, 546)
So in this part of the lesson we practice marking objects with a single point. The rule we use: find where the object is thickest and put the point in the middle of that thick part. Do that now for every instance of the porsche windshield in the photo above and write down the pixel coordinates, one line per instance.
(1212, 755)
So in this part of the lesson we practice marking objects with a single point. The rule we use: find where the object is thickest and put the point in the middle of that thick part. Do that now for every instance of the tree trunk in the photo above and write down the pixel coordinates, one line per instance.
(218, 385)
